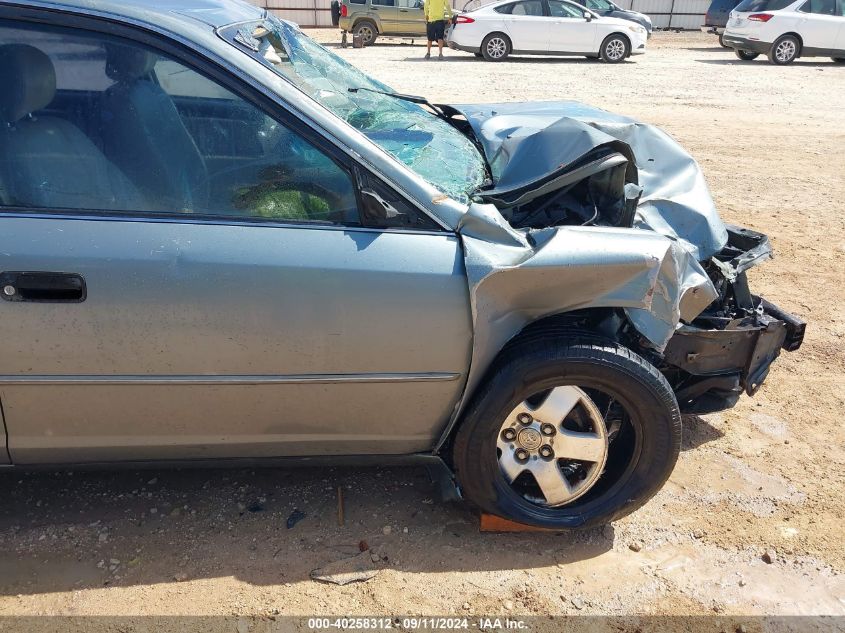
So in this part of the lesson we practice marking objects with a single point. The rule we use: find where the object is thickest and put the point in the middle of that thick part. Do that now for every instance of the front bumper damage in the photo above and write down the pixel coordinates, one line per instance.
(729, 348)
(594, 213)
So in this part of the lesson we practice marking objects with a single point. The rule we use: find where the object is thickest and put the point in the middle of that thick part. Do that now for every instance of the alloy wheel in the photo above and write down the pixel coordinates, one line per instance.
(615, 50)
(552, 448)
(366, 34)
(785, 51)
(497, 47)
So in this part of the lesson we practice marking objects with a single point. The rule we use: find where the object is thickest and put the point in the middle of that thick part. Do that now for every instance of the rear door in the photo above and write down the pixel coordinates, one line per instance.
(821, 24)
(840, 38)
(527, 25)
(570, 32)
(411, 17)
(388, 15)
(260, 316)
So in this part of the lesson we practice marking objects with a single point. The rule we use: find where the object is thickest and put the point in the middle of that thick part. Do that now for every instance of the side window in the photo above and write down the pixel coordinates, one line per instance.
(599, 5)
(357, 1)
(505, 8)
(529, 7)
(822, 7)
(384, 3)
(105, 124)
(565, 10)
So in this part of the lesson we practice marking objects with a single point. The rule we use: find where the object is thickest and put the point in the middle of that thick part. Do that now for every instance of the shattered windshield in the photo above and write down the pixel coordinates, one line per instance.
(419, 139)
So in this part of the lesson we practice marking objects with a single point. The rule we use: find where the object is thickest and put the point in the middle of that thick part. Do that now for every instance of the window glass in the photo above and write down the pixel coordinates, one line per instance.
(529, 7)
(565, 10)
(822, 7)
(128, 129)
(505, 8)
(385, 3)
(599, 5)
(357, 1)
(412, 134)
(762, 5)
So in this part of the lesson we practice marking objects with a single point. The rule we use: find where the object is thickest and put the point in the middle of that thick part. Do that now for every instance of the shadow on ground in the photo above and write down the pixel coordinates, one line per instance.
(763, 61)
(68, 531)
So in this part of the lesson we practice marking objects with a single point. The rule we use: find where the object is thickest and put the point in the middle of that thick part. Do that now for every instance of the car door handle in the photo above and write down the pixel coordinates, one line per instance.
(42, 287)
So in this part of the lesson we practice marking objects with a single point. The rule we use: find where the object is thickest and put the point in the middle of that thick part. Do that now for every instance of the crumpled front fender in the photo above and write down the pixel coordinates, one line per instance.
(516, 278)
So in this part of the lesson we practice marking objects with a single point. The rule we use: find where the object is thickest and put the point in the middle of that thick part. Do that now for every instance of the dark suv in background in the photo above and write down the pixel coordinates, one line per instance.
(716, 18)
(608, 9)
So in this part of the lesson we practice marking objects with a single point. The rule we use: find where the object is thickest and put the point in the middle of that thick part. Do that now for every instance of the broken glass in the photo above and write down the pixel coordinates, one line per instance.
(425, 143)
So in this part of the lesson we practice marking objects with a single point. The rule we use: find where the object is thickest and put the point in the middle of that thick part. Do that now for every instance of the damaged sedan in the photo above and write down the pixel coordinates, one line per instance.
(221, 243)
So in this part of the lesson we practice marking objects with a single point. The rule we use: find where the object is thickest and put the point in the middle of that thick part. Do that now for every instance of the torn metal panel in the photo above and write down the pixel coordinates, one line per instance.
(521, 139)
(561, 269)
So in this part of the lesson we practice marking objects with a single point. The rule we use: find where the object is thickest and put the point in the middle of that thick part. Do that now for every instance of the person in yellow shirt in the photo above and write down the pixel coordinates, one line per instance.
(437, 14)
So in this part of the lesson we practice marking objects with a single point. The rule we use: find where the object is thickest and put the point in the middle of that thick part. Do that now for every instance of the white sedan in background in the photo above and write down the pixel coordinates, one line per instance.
(544, 27)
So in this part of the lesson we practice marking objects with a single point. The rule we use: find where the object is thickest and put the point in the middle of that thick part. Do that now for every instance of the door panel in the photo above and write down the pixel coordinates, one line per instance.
(821, 24)
(388, 14)
(202, 340)
(528, 32)
(569, 31)
(411, 17)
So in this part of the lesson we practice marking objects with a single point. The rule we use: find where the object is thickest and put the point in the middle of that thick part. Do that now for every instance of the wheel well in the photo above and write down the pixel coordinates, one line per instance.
(590, 323)
(593, 322)
(368, 21)
(504, 35)
(623, 36)
(797, 37)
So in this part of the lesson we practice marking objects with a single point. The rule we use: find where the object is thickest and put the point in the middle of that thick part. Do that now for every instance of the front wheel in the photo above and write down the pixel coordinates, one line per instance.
(568, 434)
(746, 56)
(785, 50)
(495, 47)
(839, 60)
(722, 41)
(615, 48)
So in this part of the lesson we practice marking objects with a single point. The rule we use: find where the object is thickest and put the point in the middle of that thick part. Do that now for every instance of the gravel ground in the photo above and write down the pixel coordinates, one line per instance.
(750, 523)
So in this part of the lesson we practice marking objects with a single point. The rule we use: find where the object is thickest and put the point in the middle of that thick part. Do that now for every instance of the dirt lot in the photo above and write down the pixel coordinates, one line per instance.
(769, 475)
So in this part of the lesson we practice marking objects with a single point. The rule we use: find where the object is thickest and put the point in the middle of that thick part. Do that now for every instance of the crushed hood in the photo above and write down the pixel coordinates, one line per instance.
(529, 146)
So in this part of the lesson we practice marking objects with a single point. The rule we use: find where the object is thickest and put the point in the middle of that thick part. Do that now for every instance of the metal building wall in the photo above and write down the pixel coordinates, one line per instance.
(306, 13)
(675, 14)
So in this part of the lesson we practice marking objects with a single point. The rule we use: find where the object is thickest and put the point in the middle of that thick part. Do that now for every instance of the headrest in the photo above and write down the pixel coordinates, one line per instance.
(28, 79)
(128, 63)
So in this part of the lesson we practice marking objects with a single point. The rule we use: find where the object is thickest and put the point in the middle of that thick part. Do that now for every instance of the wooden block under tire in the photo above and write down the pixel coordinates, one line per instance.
(493, 523)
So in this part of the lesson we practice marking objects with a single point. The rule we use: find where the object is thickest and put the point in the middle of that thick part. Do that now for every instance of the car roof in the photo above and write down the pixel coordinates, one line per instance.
(214, 13)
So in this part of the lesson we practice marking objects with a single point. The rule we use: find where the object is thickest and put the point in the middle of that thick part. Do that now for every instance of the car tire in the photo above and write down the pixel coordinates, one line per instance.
(639, 457)
(496, 47)
(785, 50)
(478, 54)
(746, 56)
(722, 41)
(838, 60)
(615, 48)
(367, 30)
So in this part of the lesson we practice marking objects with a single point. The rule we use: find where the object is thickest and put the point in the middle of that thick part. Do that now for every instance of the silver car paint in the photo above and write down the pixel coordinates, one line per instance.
(509, 280)
(315, 343)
